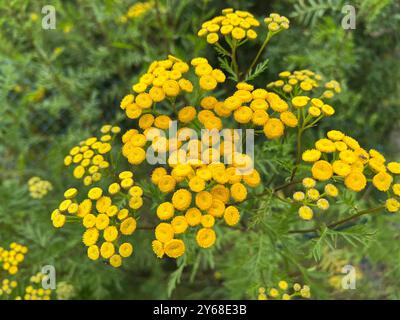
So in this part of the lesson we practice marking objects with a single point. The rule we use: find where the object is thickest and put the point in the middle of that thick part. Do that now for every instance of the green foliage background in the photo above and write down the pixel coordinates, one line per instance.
(58, 86)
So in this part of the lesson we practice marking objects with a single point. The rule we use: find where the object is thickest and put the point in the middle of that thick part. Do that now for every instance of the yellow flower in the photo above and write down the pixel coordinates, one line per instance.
(238, 33)
(171, 88)
(181, 199)
(309, 183)
(331, 190)
(125, 249)
(196, 184)
(116, 261)
(273, 292)
(193, 217)
(305, 213)
(207, 221)
(335, 135)
(157, 94)
(220, 192)
(355, 181)
(165, 211)
(314, 111)
(146, 121)
(323, 204)
(187, 114)
(158, 248)
(157, 174)
(289, 119)
(325, 145)
(238, 192)
(122, 214)
(59, 220)
(162, 122)
(102, 221)
(144, 100)
(136, 156)
(70, 193)
(174, 248)
(218, 75)
(313, 194)
(376, 165)
(212, 38)
(382, 181)
(110, 233)
(243, 114)
(283, 285)
(322, 170)
(128, 226)
(205, 237)
(203, 69)
(217, 208)
(300, 101)
(164, 232)
(90, 237)
(64, 205)
(348, 156)
(260, 117)
(207, 82)
(114, 188)
(203, 200)
(107, 250)
(79, 171)
(93, 252)
(298, 196)
(396, 189)
(179, 224)
(341, 168)
(135, 202)
(231, 216)
(274, 128)
(95, 193)
(394, 167)
(392, 205)
(328, 110)
(103, 203)
(89, 220)
(311, 155)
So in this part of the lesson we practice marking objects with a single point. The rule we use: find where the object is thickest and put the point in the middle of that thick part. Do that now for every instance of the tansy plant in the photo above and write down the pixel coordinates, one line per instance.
(194, 191)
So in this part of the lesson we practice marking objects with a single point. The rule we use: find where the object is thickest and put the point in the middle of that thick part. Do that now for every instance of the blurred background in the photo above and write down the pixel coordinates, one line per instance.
(59, 86)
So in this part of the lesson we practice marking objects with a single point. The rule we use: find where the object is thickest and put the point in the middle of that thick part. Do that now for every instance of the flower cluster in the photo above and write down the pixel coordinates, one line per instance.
(7, 286)
(293, 82)
(312, 197)
(250, 105)
(137, 10)
(99, 214)
(282, 292)
(38, 188)
(209, 77)
(65, 291)
(275, 22)
(34, 291)
(232, 24)
(163, 81)
(89, 157)
(343, 159)
(204, 194)
(10, 259)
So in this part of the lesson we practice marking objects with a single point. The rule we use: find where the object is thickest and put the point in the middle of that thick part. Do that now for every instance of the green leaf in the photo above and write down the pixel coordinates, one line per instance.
(260, 68)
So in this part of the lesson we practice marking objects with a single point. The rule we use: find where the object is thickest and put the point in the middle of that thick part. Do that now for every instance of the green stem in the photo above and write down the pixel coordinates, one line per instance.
(298, 157)
(340, 222)
(269, 36)
(234, 61)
